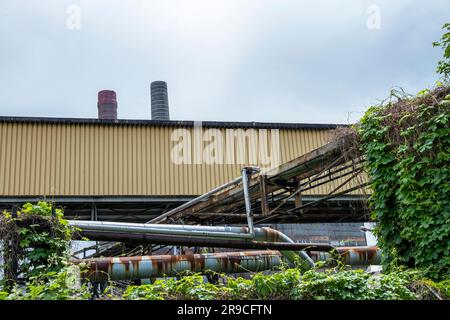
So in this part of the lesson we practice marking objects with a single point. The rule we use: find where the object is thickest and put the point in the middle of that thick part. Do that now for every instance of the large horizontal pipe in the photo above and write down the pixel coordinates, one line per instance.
(142, 238)
(352, 255)
(187, 234)
(143, 267)
(172, 229)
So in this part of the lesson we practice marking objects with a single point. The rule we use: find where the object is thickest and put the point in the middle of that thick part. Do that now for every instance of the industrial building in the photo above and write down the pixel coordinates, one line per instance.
(122, 170)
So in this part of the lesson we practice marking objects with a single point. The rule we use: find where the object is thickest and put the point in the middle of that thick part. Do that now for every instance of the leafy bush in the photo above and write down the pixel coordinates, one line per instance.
(37, 240)
(406, 144)
(291, 284)
(61, 285)
(190, 287)
(36, 255)
(276, 285)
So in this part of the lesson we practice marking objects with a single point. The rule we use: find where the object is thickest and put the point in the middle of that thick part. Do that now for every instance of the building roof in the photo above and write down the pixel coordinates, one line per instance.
(170, 123)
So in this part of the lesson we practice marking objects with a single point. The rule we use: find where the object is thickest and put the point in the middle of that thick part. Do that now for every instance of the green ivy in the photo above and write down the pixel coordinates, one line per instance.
(41, 236)
(191, 287)
(334, 284)
(60, 285)
(36, 255)
(406, 144)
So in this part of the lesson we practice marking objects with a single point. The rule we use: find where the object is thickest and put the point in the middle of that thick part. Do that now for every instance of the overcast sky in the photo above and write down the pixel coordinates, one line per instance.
(242, 60)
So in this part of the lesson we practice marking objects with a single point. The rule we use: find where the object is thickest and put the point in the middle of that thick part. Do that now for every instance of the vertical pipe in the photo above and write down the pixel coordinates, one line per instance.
(264, 202)
(248, 205)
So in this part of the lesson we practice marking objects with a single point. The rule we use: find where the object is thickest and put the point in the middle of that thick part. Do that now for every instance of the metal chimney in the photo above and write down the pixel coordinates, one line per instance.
(160, 100)
(107, 105)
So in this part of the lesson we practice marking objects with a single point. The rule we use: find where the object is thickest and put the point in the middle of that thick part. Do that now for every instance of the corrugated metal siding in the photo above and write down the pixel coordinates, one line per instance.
(82, 159)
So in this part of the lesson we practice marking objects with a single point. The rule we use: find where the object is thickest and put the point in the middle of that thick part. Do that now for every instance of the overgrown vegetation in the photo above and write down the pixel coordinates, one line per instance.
(50, 275)
(35, 252)
(53, 285)
(292, 284)
(406, 144)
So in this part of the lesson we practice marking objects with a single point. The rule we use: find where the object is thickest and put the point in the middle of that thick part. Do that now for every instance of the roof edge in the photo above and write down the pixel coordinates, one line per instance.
(171, 123)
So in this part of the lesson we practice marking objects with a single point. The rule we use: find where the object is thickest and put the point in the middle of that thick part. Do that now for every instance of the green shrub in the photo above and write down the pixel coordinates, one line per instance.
(37, 240)
(36, 255)
(406, 144)
(291, 284)
(60, 285)
(191, 287)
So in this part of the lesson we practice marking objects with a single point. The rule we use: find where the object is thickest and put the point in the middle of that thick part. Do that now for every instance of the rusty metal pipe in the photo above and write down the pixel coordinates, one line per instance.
(195, 232)
(370, 255)
(144, 267)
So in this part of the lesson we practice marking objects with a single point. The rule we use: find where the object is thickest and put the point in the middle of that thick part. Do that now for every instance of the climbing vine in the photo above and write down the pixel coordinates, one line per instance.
(406, 144)
(443, 67)
(36, 240)
(333, 284)
(35, 250)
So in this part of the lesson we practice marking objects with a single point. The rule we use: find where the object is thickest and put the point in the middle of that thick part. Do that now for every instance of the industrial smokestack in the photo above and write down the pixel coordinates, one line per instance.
(107, 105)
(160, 100)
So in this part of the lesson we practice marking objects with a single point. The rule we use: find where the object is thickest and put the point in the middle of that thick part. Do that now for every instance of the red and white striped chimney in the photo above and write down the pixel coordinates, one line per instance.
(107, 105)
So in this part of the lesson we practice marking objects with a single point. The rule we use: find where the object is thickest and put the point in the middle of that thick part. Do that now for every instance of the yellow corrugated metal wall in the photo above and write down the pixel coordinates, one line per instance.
(86, 159)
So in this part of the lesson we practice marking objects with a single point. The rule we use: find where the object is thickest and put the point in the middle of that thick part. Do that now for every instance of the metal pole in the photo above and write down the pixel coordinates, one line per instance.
(246, 172)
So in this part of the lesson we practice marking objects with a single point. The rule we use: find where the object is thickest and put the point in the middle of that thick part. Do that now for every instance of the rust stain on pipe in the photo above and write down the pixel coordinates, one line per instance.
(141, 267)
(369, 255)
